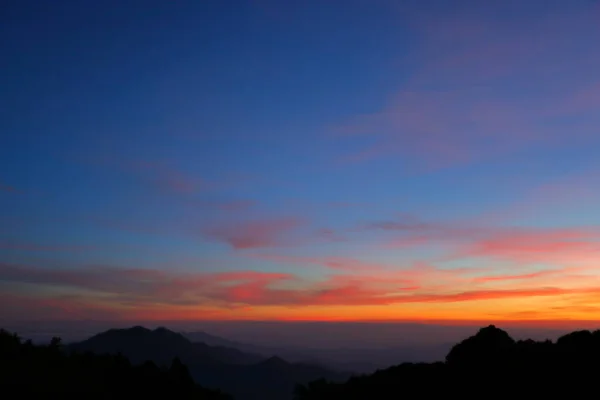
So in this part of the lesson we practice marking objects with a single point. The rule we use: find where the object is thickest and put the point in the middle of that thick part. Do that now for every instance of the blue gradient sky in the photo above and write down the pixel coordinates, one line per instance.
(387, 160)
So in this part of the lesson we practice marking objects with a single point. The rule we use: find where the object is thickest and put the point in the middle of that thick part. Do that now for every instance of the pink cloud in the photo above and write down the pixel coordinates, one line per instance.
(410, 230)
(123, 290)
(142, 285)
(340, 263)
(572, 191)
(562, 246)
(351, 271)
(159, 174)
(451, 110)
(255, 234)
(472, 45)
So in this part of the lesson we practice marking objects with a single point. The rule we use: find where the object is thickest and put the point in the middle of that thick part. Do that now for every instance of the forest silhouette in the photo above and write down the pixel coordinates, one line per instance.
(28, 369)
(489, 364)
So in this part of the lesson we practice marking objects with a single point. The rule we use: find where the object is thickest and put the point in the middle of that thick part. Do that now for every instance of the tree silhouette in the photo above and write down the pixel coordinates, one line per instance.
(488, 364)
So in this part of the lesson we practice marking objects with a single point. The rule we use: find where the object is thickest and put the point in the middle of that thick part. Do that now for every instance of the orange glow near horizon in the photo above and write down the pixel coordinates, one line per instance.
(420, 292)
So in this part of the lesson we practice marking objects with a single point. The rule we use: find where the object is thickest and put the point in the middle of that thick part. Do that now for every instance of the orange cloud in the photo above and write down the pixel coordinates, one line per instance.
(421, 291)
(537, 274)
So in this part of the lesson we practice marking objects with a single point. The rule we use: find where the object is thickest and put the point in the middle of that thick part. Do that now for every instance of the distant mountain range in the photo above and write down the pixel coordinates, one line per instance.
(245, 375)
(356, 360)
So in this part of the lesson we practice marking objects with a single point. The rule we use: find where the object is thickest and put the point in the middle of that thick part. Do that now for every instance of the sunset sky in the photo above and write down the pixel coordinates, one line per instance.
(300, 160)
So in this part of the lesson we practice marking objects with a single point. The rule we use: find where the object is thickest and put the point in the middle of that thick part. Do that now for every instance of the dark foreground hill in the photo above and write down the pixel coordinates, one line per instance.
(489, 364)
(49, 372)
(244, 375)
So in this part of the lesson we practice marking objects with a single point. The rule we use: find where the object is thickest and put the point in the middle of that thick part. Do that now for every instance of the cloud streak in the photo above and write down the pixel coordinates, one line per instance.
(256, 233)
(570, 246)
(139, 287)
(455, 108)
(35, 247)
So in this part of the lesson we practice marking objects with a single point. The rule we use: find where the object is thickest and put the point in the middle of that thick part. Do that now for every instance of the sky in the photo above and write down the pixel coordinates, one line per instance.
(398, 161)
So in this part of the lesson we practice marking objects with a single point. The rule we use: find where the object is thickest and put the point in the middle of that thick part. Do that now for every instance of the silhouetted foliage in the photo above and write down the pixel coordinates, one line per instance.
(489, 364)
(50, 371)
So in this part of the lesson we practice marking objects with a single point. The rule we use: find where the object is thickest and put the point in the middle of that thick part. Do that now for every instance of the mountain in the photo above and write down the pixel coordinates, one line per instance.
(46, 371)
(353, 359)
(244, 375)
(212, 340)
(489, 364)
(161, 345)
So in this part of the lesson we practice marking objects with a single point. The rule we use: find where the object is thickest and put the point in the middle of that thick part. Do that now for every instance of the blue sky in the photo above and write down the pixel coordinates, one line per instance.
(274, 138)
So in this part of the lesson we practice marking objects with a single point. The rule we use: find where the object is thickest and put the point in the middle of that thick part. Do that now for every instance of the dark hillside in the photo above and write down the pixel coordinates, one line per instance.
(488, 364)
(48, 372)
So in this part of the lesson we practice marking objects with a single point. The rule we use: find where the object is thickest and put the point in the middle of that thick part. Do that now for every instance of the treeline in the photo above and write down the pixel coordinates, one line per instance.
(489, 364)
(28, 370)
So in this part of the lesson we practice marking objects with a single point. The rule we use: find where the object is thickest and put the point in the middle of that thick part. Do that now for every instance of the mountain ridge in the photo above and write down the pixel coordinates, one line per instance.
(246, 376)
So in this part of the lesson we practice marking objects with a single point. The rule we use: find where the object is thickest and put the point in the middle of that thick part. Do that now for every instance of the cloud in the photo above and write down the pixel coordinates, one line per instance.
(141, 285)
(338, 263)
(34, 308)
(416, 228)
(160, 175)
(254, 233)
(237, 205)
(329, 235)
(7, 188)
(21, 246)
(88, 291)
(165, 178)
(478, 295)
(563, 246)
(558, 246)
(512, 277)
(456, 108)
(562, 194)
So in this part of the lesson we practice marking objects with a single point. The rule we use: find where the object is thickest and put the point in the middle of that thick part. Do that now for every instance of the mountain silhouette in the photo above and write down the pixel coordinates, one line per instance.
(161, 345)
(359, 360)
(484, 347)
(48, 371)
(212, 340)
(246, 376)
(487, 364)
